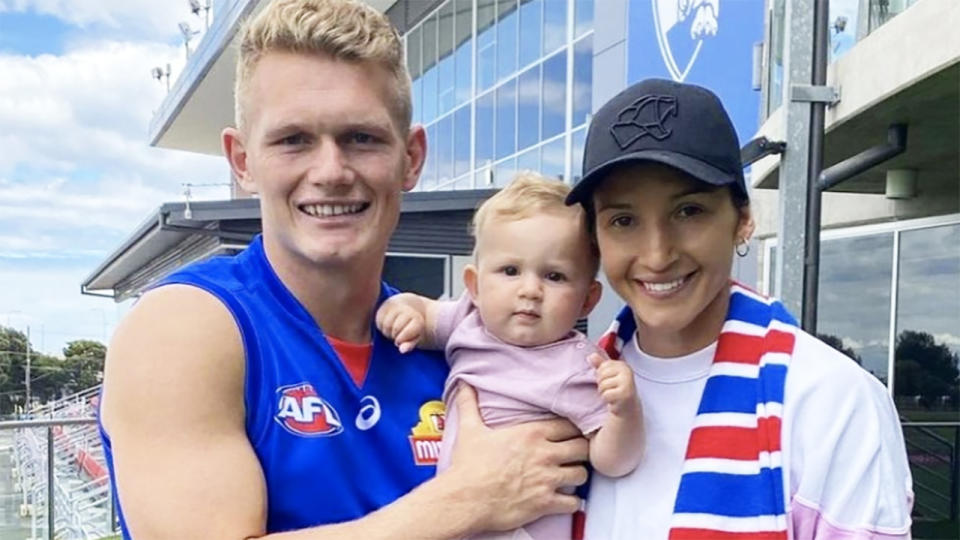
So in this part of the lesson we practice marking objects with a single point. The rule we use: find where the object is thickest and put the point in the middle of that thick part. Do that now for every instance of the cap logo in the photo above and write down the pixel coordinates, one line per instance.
(647, 116)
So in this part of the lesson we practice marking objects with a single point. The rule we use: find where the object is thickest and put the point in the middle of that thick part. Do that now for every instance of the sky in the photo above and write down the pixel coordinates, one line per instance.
(77, 175)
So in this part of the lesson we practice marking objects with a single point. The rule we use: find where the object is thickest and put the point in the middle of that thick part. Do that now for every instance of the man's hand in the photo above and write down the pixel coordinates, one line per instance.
(615, 384)
(400, 321)
(513, 475)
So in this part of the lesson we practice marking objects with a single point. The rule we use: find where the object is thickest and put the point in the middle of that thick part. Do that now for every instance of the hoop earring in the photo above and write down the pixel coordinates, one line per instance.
(743, 248)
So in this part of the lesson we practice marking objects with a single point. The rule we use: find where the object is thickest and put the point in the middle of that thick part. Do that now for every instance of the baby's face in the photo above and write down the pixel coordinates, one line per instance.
(534, 276)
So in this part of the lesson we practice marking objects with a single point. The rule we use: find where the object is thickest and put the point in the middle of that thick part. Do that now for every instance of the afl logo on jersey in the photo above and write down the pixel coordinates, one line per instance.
(302, 412)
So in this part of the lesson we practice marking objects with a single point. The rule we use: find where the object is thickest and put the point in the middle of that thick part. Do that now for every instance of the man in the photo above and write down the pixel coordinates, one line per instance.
(251, 395)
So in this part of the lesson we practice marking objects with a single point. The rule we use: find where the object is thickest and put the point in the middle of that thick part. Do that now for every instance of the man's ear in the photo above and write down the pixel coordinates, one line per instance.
(470, 281)
(235, 149)
(593, 297)
(416, 155)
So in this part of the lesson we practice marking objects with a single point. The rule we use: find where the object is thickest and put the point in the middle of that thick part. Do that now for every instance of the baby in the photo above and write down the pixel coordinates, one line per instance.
(512, 338)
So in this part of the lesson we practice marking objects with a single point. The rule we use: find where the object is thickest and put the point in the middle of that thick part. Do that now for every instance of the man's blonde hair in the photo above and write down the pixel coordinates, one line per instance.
(342, 29)
(529, 194)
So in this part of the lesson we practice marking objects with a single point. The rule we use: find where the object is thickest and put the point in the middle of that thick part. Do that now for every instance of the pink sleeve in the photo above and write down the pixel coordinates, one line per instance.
(449, 315)
(577, 398)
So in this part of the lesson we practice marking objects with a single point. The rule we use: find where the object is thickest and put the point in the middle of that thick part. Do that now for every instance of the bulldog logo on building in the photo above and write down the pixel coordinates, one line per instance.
(302, 412)
(681, 27)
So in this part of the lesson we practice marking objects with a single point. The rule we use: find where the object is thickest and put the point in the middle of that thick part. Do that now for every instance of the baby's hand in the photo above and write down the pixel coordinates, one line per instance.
(615, 384)
(401, 323)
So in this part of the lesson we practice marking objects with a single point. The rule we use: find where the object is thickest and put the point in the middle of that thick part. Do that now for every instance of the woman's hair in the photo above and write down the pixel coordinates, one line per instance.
(341, 29)
(529, 194)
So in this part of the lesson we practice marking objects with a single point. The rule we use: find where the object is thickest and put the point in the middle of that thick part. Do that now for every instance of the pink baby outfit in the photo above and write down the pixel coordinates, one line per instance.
(516, 385)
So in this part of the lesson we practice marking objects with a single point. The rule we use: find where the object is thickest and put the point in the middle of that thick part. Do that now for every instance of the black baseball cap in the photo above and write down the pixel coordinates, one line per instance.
(681, 125)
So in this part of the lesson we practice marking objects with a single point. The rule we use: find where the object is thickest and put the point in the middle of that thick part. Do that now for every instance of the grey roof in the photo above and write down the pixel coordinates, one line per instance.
(233, 222)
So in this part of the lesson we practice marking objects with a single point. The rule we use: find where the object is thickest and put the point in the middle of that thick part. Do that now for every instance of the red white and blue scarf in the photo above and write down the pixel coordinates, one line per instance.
(732, 481)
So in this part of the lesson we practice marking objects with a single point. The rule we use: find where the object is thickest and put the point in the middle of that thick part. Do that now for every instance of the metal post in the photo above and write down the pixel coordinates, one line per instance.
(51, 481)
(811, 256)
(794, 177)
(26, 405)
(955, 477)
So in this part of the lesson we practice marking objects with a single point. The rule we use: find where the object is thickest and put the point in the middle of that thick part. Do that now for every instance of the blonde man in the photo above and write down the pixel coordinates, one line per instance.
(511, 336)
(250, 395)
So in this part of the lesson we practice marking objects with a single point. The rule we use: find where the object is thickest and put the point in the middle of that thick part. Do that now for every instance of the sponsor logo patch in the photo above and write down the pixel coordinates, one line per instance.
(425, 436)
(302, 412)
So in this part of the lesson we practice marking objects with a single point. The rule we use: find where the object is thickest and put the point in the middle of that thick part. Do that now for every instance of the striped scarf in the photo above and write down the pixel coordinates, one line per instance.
(732, 482)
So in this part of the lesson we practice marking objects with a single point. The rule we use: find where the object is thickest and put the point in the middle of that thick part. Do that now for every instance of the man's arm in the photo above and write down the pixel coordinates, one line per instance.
(173, 406)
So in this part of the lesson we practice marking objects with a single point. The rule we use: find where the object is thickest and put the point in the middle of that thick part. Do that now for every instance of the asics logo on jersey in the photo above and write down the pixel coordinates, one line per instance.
(302, 412)
(369, 413)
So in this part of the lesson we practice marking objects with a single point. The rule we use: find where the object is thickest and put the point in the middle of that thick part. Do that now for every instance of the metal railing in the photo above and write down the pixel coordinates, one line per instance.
(68, 501)
(935, 464)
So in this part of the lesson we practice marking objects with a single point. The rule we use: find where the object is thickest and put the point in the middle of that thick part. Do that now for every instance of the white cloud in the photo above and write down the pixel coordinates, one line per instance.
(150, 19)
(76, 172)
(949, 340)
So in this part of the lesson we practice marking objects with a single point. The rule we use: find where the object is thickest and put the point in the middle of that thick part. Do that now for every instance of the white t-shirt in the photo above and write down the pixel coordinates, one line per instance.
(845, 467)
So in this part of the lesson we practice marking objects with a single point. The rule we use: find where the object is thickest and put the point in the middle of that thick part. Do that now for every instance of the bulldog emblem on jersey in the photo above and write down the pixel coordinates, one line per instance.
(302, 412)
(425, 436)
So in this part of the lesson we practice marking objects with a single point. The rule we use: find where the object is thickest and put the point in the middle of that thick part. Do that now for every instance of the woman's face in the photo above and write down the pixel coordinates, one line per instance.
(666, 245)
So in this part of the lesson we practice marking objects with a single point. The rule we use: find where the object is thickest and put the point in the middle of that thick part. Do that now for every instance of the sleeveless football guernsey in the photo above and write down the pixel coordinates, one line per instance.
(330, 451)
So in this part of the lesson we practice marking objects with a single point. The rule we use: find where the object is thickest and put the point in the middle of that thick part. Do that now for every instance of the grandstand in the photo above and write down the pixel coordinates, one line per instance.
(79, 485)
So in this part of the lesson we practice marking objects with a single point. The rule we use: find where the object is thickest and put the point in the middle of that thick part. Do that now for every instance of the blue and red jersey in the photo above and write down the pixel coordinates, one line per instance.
(330, 450)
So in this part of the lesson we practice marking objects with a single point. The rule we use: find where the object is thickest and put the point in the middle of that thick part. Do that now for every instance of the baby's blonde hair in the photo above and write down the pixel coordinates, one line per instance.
(342, 29)
(529, 194)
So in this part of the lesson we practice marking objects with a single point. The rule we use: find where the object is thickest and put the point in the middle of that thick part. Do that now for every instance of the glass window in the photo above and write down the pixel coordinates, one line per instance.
(552, 159)
(775, 84)
(843, 26)
(445, 77)
(486, 44)
(504, 172)
(464, 23)
(464, 182)
(554, 25)
(528, 108)
(413, 53)
(506, 119)
(531, 24)
(554, 95)
(423, 275)
(416, 96)
(428, 178)
(430, 95)
(529, 160)
(583, 17)
(576, 153)
(582, 79)
(854, 301)
(928, 325)
(461, 137)
(506, 38)
(444, 147)
(484, 134)
(429, 41)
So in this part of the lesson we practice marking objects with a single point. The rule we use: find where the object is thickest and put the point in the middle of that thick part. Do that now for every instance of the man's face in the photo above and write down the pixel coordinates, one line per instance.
(326, 157)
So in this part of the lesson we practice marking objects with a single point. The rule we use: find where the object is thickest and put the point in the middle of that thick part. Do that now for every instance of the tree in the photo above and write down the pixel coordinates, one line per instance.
(925, 368)
(837, 344)
(83, 362)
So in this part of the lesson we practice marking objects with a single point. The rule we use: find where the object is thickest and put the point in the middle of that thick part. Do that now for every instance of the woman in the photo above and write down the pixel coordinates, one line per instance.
(755, 428)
